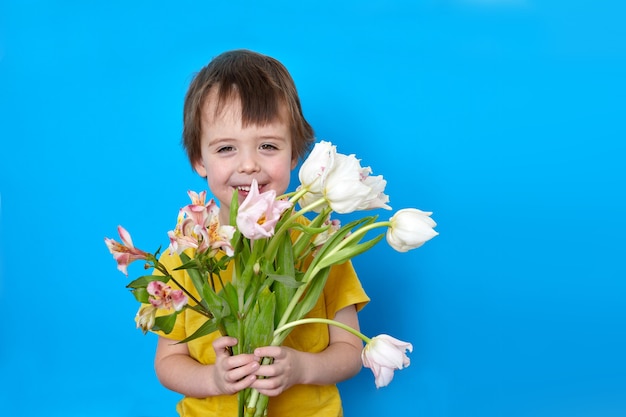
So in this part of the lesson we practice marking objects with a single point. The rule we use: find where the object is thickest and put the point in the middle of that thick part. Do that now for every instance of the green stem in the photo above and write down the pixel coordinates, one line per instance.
(295, 299)
(357, 235)
(324, 321)
(295, 196)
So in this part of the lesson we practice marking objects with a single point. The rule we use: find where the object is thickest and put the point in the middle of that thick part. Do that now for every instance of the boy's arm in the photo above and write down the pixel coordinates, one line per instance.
(341, 360)
(181, 373)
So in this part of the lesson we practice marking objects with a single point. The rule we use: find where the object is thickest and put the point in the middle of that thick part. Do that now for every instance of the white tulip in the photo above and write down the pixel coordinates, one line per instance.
(316, 166)
(341, 181)
(343, 188)
(410, 229)
(377, 197)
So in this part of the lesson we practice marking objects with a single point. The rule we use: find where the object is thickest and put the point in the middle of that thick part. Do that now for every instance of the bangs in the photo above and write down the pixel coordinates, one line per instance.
(262, 101)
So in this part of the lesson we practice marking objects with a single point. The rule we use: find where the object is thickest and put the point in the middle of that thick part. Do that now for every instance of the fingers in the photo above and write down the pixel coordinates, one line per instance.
(238, 379)
(270, 387)
(232, 373)
(276, 352)
(278, 376)
(223, 345)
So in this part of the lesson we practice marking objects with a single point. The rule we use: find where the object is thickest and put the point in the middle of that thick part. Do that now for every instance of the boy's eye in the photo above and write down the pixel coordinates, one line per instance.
(268, 146)
(225, 149)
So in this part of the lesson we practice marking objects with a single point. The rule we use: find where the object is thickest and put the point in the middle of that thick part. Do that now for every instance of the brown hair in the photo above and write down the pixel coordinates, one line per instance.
(263, 85)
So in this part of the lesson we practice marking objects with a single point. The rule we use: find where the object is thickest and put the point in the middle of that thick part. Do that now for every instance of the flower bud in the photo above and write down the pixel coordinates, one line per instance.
(145, 317)
(383, 355)
(410, 229)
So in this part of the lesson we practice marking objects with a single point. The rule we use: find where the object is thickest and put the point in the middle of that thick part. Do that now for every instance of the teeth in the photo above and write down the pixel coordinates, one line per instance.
(246, 188)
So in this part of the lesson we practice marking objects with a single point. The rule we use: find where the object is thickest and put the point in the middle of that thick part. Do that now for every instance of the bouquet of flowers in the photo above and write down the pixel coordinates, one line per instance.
(280, 261)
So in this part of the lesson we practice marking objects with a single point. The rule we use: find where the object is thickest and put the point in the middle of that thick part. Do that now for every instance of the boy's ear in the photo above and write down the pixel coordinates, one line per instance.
(198, 166)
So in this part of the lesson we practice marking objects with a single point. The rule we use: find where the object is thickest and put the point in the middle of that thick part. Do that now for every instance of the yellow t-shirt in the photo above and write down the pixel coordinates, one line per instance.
(342, 289)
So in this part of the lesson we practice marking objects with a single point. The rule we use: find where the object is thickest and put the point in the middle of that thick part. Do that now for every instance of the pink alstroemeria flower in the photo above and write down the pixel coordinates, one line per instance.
(164, 297)
(124, 253)
(218, 237)
(259, 213)
(383, 355)
(198, 227)
(198, 211)
(197, 199)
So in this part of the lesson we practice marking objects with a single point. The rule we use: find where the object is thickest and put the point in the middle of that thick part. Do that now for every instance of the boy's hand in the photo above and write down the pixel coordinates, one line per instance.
(285, 371)
(231, 374)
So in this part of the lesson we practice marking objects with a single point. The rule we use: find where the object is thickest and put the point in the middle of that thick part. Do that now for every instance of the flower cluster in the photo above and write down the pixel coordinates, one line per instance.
(339, 181)
(271, 290)
(198, 227)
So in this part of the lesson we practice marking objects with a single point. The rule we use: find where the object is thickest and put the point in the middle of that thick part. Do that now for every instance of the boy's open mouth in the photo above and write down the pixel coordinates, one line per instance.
(244, 190)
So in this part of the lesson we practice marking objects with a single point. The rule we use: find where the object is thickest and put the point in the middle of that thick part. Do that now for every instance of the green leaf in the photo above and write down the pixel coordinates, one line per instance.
(259, 323)
(196, 277)
(214, 302)
(229, 294)
(310, 298)
(165, 323)
(309, 230)
(285, 266)
(143, 281)
(286, 280)
(141, 295)
(234, 207)
(188, 263)
(340, 234)
(232, 327)
(348, 252)
(207, 327)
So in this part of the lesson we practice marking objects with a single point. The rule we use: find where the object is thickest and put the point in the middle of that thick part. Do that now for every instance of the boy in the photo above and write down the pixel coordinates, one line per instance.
(243, 121)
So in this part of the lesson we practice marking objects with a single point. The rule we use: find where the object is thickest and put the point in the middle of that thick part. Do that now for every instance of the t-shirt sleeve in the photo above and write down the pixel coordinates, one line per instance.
(343, 289)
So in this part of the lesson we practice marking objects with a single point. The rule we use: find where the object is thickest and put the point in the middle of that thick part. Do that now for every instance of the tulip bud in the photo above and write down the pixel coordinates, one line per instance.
(383, 355)
(410, 229)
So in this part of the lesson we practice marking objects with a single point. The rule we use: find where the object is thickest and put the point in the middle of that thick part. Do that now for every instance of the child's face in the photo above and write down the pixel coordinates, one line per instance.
(232, 155)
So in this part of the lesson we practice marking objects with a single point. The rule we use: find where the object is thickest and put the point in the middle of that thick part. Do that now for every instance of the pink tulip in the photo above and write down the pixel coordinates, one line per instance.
(124, 253)
(383, 355)
(259, 213)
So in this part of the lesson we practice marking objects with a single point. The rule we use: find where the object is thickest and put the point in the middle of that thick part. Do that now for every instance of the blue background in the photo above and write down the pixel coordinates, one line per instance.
(504, 117)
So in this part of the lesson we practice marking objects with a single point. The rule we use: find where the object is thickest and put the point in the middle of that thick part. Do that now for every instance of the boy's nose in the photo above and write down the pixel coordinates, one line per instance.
(248, 163)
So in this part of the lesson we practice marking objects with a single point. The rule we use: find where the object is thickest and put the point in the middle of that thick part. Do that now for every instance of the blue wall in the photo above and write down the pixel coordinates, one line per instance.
(504, 117)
